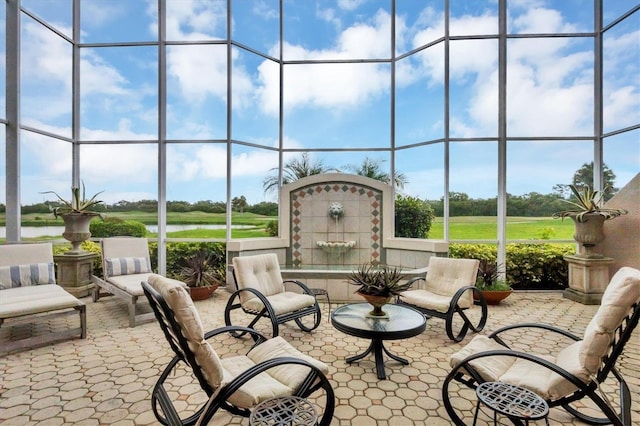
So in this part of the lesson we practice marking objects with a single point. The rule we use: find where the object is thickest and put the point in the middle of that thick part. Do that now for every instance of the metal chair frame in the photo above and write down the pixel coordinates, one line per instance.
(465, 373)
(269, 313)
(163, 407)
(454, 309)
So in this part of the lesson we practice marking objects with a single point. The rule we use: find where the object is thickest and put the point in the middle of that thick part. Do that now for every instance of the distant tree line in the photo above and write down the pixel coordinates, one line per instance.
(151, 206)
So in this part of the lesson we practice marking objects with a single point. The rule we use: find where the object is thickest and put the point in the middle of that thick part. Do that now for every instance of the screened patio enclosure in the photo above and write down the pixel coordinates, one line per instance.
(168, 101)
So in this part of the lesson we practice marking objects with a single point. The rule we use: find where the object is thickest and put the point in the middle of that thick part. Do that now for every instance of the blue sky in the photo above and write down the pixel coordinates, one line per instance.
(550, 93)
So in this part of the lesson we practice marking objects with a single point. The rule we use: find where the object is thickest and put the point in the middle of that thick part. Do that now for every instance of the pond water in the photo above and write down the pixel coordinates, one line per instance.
(42, 231)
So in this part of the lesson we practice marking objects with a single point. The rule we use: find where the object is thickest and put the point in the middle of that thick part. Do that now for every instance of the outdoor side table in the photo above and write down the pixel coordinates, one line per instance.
(512, 401)
(284, 411)
(402, 322)
(322, 292)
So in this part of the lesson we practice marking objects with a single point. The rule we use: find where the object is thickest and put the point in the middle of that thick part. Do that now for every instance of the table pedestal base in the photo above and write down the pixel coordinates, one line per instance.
(377, 347)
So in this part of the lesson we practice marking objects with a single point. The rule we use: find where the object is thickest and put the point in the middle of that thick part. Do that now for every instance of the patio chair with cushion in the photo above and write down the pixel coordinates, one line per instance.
(125, 264)
(573, 374)
(448, 293)
(29, 293)
(271, 368)
(262, 293)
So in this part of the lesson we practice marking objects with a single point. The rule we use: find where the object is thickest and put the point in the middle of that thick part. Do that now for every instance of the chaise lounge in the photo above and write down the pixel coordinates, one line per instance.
(28, 292)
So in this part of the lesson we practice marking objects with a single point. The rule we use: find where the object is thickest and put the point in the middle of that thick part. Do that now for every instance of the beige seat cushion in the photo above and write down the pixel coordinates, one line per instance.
(444, 278)
(429, 300)
(132, 283)
(187, 316)
(277, 381)
(582, 358)
(260, 272)
(281, 303)
(19, 301)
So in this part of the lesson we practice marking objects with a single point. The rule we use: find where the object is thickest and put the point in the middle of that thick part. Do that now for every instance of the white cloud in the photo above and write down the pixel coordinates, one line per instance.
(332, 85)
(350, 4)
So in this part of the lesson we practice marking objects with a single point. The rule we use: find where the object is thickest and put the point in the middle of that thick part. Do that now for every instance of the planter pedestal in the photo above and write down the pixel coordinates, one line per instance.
(588, 278)
(74, 271)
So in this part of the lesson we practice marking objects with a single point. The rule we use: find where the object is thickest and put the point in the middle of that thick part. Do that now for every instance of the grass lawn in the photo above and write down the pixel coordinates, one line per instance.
(461, 227)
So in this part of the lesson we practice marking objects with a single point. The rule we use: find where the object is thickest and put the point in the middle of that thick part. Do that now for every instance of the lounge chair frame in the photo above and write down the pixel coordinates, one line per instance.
(105, 288)
(163, 407)
(465, 373)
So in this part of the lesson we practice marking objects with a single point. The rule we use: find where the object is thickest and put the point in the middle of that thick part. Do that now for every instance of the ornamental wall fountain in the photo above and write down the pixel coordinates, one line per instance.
(329, 224)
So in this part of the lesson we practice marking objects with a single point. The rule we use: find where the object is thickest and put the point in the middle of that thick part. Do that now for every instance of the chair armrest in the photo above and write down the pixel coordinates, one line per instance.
(302, 285)
(256, 335)
(461, 291)
(547, 327)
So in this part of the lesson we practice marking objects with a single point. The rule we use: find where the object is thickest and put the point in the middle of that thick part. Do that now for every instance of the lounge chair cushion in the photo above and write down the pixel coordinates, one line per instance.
(582, 358)
(281, 303)
(187, 316)
(277, 381)
(26, 275)
(127, 266)
(621, 293)
(130, 283)
(21, 301)
(429, 300)
(260, 272)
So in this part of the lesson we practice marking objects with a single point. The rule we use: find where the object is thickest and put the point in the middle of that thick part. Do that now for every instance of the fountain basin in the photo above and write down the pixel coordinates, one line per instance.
(334, 248)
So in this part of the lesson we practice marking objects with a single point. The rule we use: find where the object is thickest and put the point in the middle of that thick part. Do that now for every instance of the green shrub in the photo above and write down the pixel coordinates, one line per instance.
(529, 266)
(413, 217)
(272, 228)
(116, 227)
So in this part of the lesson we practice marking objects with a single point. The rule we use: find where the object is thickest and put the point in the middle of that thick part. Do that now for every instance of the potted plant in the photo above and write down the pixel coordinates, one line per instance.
(588, 216)
(200, 274)
(377, 284)
(489, 283)
(77, 215)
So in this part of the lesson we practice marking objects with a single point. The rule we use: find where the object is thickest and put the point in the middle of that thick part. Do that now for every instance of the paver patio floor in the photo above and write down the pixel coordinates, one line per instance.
(108, 377)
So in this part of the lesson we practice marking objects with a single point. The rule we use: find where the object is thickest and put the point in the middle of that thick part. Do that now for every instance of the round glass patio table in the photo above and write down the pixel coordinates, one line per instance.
(402, 322)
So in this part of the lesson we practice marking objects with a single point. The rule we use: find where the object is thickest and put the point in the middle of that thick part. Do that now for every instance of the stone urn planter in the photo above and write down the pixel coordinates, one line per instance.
(588, 215)
(589, 232)
(76, 229)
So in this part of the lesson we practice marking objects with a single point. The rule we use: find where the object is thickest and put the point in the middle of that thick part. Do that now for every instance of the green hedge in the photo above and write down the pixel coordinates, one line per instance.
(116, 227)
(529, 266)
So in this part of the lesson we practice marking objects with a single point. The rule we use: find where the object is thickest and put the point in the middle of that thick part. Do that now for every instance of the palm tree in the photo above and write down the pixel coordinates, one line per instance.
(373, 169)
(295, 169)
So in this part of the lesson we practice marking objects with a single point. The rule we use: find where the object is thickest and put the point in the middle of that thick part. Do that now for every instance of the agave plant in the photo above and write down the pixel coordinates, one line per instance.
(587, 202)
(378, 280)
(77, 204)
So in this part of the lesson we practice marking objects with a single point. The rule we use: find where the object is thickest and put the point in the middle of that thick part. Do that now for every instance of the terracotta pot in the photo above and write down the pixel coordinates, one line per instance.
(202, 293)
(76, 229)
(494, 297)
(377, 302)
